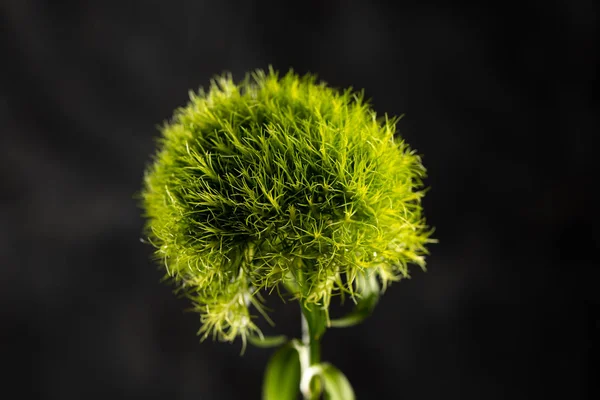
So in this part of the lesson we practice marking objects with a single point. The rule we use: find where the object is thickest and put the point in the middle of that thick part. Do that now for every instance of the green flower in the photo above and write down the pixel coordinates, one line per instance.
(281, 183)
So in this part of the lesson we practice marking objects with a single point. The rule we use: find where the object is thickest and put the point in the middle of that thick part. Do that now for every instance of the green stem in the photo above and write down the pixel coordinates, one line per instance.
(311, 351)
(314, 324)
(310, 341)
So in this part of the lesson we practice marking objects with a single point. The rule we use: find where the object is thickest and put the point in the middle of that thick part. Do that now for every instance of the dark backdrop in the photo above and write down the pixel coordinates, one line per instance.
(502, 100)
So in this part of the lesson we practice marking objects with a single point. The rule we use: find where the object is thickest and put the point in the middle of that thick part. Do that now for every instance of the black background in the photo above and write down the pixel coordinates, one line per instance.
(501, 99)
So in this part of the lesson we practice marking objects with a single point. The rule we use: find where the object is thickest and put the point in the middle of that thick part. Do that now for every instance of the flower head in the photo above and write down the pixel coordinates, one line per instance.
(280, 181)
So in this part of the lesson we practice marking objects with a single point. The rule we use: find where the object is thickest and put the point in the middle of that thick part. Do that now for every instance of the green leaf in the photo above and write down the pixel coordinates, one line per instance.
(337, 386)
(267, 341)
(282, 375)
(368, 289)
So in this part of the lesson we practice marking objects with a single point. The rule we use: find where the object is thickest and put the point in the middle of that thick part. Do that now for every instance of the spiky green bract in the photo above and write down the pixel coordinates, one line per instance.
(280, 181)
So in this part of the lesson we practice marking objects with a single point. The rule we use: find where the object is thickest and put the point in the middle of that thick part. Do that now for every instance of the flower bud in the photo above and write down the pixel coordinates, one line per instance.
(280, 182)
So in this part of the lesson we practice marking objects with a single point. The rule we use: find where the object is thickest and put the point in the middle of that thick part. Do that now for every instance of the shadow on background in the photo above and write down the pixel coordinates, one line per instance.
(502, 102)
